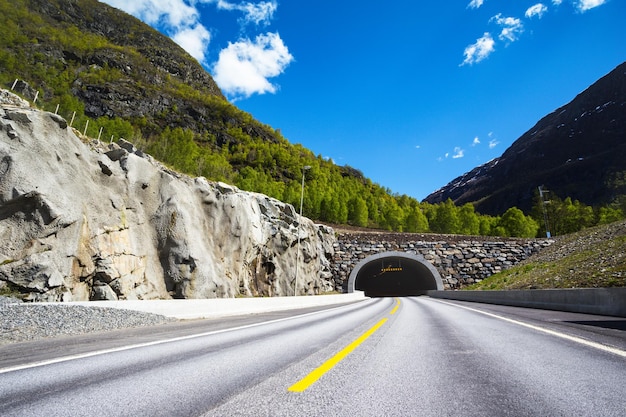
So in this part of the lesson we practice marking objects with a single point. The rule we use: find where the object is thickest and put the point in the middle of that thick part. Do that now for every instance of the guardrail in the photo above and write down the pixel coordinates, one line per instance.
(601, 301)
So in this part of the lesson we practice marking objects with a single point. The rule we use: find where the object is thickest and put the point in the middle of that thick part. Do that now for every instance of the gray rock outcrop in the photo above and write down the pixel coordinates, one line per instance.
(87, 221)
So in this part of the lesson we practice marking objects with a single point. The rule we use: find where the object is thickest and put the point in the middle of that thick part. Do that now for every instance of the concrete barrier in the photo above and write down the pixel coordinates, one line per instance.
(601, 301)
(221, 307)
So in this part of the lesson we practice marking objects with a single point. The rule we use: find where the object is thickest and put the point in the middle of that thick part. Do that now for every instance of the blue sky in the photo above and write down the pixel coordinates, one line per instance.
(412, 93)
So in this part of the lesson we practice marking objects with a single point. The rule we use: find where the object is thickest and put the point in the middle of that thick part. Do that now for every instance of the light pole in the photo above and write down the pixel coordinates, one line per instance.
(545, 212)
(295, 284)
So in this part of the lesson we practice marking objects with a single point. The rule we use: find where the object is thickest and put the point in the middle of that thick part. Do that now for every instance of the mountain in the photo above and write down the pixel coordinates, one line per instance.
(577, 151)
(112, 76)
(115, 65)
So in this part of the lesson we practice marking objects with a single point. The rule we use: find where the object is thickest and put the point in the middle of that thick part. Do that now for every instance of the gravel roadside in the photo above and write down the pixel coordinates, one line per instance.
(20, 322)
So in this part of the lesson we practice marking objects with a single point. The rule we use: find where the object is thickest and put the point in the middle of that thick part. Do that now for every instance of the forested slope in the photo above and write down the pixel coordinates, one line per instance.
(107, 70)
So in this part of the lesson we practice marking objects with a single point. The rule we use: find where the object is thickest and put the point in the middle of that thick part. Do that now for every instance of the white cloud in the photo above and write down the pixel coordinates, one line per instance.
(475, 4)
(260, 13)
(417, 146)
(194, 40)
(479, 50)
(458, 153)
(537, 10)
(476, 141)
(172, 13)
(244, 67)
(584, 5)
(177, 19)
(511, 27)
(557, 2)
(493, 143)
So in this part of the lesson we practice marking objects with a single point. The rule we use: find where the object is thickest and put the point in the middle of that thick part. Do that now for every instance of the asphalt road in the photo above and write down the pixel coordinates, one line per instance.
(382, 357)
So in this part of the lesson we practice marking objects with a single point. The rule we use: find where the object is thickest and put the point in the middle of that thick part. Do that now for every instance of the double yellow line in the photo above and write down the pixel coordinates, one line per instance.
(317, 373)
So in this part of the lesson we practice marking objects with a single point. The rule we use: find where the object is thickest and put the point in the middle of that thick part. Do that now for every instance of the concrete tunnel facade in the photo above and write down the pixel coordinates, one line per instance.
(391, 274)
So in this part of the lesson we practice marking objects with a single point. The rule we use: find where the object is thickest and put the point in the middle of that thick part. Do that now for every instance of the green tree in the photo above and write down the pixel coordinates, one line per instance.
(563, 216)
(488, 226)
(608, 215)
(516, 224)
(446, 218)
(469, 223)
(357, 212)
(416, 221)
(392, 215)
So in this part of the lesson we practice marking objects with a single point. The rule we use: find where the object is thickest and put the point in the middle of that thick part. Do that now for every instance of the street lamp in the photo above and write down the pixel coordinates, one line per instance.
(295, 284)
(545, 212)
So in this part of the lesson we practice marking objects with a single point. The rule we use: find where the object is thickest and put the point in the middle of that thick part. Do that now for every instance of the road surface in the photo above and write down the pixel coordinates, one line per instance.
(412, 356)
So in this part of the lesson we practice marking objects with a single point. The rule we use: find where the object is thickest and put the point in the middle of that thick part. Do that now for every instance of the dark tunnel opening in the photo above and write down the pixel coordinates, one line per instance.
(396, 276)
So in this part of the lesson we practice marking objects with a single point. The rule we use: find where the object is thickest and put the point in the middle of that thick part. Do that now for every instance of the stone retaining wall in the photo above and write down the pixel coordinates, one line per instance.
(459, 262)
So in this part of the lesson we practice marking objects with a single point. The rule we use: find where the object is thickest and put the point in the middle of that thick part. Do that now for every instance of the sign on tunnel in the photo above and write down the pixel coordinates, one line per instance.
(391, 274)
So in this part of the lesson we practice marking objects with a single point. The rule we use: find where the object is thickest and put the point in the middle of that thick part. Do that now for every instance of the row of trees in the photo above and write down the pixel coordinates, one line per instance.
(342, 195)
(562, 216)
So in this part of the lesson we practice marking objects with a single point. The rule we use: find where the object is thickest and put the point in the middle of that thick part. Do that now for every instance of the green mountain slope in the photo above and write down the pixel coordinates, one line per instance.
(593, 257)
(99, 64)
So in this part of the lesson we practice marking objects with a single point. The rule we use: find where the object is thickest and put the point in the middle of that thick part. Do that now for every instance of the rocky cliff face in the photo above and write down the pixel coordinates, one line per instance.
(87, 221)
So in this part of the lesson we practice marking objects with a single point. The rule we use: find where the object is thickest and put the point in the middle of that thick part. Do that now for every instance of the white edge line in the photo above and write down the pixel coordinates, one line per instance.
(579, 340)
(153, 343)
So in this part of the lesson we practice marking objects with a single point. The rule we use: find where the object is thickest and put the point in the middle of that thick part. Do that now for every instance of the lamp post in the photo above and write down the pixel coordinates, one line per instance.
(545, 212)
(295, 284)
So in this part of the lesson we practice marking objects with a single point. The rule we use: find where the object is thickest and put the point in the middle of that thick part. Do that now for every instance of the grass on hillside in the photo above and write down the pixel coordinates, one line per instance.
(591, 258)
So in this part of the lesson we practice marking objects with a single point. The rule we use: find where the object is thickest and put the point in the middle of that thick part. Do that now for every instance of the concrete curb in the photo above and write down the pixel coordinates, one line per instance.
(222, 307)
(601, 301)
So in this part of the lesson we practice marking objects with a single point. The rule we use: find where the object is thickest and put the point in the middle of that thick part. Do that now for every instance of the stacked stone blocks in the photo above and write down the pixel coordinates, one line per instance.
(460, 261)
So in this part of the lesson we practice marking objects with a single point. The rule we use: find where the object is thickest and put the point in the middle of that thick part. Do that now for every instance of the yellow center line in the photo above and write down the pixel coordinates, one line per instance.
(396, 307)
(317, 373)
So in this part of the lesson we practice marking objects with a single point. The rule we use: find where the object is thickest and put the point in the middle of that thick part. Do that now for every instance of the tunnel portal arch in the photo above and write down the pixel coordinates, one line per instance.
(389, 274)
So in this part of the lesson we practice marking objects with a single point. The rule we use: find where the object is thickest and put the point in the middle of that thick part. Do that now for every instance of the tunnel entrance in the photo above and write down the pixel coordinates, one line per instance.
(393, 274)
